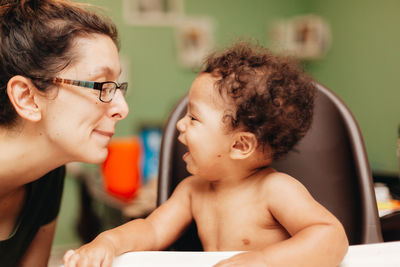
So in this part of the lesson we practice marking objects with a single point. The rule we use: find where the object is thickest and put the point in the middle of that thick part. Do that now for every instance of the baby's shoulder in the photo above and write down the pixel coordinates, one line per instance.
(274, 180)
(191, 183)
(184, 188)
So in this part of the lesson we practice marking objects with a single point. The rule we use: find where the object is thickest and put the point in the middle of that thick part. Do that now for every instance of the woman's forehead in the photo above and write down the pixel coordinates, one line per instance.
(97, 55)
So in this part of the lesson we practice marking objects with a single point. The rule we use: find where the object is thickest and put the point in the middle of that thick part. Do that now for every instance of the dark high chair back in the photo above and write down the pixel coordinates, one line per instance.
(330, 161)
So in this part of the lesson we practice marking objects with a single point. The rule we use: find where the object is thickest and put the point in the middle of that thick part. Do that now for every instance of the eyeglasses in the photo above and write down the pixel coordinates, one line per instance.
(107, 89)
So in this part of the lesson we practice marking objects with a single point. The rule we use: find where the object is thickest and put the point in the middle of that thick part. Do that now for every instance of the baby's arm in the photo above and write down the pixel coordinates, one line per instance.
(317, 237)
(159, 230)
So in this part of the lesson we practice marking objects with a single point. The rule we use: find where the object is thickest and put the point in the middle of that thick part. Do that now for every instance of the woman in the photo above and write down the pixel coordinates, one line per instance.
(59, 102)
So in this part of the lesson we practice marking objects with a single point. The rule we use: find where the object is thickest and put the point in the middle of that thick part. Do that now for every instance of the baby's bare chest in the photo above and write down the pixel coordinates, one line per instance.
(241, 223)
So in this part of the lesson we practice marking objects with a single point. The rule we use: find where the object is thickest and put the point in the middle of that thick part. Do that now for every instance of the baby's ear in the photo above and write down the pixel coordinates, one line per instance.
(243, 145)
(21, 92)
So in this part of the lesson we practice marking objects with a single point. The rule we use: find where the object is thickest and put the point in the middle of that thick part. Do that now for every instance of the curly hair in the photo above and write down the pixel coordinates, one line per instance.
(273, 98)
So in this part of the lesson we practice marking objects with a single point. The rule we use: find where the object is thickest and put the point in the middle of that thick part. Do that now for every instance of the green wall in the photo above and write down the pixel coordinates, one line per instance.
(362, 66)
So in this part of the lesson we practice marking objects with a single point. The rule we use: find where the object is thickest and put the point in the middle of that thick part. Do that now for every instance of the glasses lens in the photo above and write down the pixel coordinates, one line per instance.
(108, 91)
(123, 87)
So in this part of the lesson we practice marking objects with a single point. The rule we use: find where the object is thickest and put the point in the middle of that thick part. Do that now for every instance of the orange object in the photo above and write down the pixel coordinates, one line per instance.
(121, 168)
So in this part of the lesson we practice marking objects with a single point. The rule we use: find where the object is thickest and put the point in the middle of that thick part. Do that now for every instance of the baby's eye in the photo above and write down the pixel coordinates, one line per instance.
(192, 118)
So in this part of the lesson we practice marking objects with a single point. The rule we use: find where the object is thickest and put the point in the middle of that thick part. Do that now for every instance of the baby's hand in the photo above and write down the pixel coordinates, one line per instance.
(98, 253)
(248, 259)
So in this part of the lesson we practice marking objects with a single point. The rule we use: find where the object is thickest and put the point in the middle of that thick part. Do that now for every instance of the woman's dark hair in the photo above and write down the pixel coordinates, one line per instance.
(272, 97)
(36, 41)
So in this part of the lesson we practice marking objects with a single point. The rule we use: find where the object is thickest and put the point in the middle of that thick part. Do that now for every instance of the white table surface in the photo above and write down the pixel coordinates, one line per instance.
(371, 255)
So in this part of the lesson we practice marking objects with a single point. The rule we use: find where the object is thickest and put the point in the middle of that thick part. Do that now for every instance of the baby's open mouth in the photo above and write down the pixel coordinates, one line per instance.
(183, 150)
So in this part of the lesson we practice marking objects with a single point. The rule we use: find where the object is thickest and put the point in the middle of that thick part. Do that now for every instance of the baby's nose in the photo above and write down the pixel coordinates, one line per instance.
(180, 125)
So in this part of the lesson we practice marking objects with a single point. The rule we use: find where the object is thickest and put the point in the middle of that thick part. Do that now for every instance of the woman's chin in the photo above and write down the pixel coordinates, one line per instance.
(96, 158)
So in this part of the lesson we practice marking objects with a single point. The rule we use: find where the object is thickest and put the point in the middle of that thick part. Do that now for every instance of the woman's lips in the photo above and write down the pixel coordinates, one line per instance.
(105, 133)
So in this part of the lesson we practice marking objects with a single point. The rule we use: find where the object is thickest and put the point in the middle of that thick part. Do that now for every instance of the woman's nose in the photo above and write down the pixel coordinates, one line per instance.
(119, 108)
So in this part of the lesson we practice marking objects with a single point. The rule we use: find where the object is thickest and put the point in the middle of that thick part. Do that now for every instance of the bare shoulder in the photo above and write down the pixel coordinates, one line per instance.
(275, 183)
(274, 177)
(189, 185)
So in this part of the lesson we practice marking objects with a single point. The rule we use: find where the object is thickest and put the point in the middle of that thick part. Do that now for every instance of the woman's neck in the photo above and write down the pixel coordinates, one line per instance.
(24, 158)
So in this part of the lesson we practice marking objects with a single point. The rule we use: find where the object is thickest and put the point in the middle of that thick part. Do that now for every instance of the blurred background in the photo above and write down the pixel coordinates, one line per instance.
(352, 47)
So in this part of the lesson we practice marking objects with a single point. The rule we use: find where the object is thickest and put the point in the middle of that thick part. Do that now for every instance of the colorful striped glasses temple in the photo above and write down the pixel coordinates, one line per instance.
(107, 89)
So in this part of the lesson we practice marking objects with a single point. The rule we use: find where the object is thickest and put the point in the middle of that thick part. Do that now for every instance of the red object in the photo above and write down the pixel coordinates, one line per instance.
(121, 168)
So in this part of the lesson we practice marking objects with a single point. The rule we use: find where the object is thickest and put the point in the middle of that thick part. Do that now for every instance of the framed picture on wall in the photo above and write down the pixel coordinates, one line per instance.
(194, 40)
(305, 37)
(152, 12)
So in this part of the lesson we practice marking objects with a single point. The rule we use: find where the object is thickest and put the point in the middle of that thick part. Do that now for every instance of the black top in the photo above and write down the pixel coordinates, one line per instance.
(41, 206)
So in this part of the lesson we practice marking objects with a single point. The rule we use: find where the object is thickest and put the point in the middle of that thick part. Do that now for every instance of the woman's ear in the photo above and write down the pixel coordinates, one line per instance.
(21, 92)
(243, 145)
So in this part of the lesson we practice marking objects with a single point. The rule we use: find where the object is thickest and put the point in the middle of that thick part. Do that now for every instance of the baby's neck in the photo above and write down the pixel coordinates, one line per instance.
(237, 180)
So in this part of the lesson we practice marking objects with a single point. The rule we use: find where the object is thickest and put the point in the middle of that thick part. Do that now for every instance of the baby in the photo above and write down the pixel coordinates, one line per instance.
(246, 109)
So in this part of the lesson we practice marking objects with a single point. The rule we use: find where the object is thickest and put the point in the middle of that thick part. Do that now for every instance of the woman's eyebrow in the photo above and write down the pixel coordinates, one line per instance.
(104, 70)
